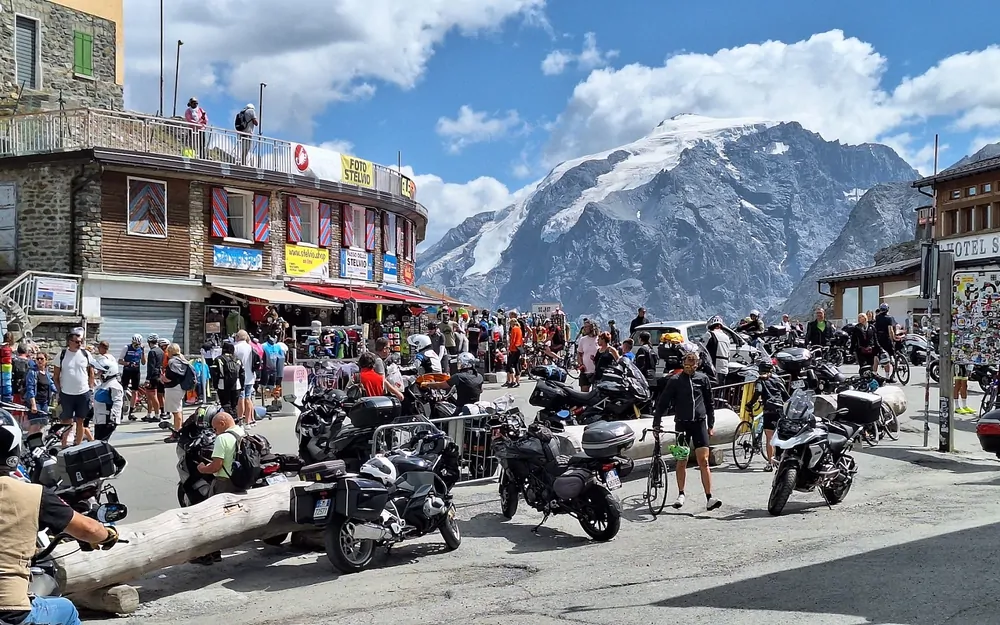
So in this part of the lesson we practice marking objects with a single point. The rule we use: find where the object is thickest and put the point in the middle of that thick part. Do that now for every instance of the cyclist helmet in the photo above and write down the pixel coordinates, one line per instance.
(152, 338)
(883, 307)
(419, 342)
(163, 343)
(765, 366)
(715, 321)
(10, 443)
(136, 339)
(754, 313)
(466, 361)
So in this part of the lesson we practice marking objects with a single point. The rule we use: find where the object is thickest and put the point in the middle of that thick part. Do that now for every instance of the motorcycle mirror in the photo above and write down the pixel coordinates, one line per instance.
(354, 392)
(290, 398)
(111, 512)
(163, 425)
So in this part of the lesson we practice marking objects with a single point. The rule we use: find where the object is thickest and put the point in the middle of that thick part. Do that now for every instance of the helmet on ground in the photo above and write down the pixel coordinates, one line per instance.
(419, 342)
(765, 366)
(754, 313)
(380, 470)
(883, 307)
(466, 361)
(136, 338)
(152, 338)
(715, 321)
(10, 443)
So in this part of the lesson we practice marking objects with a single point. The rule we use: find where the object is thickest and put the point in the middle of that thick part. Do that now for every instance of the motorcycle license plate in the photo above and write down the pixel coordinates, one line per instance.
(798, 384)
(612, 480)
(277, 478)
(321, 510)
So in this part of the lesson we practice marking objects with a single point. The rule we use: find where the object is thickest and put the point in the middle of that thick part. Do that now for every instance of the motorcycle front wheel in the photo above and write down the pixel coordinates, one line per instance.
(345, 553)
(508, 496)
(449, 529)
(784, 483)
(601, 516)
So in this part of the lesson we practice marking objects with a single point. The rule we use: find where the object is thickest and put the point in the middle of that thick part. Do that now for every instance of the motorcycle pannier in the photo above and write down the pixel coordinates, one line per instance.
(371, 412)
(87, 462)
(606, 439)
(862, 408)
(328, 471)
(360, 498)
(570, 484)
(303, 503)
(547, 396)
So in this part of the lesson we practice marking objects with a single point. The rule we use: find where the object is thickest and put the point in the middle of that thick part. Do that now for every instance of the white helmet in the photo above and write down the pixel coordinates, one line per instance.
(466, 361)
(380, 470)
(419, 342)
(755, 313)
(715, 321)
(136, 339)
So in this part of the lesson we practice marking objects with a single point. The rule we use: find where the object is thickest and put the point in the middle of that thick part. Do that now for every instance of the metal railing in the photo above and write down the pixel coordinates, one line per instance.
(77, 129)
(469, 433)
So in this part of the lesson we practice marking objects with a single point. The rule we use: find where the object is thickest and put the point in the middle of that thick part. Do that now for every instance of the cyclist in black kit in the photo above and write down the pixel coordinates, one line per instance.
(885, 332)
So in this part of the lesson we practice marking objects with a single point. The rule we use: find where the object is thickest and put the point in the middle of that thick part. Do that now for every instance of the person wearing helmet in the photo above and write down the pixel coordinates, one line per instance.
(754, 326)
(467, 382)
(719, 348)
(885, 332)
(426, 359)
(29, 508)
(131, 360)
(154, 387)
(772, 393)
(109, 396)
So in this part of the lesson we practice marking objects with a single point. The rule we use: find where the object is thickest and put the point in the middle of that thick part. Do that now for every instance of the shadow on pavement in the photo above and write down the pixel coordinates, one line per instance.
(493, 525)
(932, 460)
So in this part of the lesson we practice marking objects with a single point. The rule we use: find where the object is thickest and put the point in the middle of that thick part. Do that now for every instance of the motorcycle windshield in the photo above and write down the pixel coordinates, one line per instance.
(800, 406)
(635, 377)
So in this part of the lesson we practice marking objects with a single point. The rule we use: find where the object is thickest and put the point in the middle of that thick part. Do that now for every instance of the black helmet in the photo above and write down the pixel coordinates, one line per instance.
(10, 443)
(765, 366)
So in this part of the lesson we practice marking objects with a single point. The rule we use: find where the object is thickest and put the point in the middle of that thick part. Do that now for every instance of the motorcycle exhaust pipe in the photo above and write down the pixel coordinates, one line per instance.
(369, 531)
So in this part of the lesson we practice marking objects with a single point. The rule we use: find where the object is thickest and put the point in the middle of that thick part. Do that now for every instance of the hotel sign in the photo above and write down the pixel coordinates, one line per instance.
(974, 247)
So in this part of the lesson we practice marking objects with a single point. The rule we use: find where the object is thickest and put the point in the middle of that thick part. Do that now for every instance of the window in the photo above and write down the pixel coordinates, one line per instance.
(389, 232)
(982, 217)
(147, 208)
(359, 227)
(309, 212)
(956, 194)
(949, 225)
(27, 34)
(988, 187)
(83, 54)
(971, 191)
(869, 298)
(240, 215)
(850, 304)
(967, 215)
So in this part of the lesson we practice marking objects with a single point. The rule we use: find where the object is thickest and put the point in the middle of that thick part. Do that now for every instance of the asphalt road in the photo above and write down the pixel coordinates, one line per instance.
(913, 543)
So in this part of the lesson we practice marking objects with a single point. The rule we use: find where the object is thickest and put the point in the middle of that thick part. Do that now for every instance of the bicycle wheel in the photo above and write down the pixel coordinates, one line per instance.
(871, 434)
(656, 486)
(901, 370)
(989, 401)
(743, 447)
(890, 423)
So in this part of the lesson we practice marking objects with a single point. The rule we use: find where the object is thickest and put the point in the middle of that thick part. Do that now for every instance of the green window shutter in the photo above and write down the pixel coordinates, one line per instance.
(83, 54)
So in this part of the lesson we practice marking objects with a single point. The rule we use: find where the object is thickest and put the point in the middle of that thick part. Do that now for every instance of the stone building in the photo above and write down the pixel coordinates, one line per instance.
(61, 48)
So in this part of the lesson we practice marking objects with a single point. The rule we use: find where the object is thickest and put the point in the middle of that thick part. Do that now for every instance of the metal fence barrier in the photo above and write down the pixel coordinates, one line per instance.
(469, 433)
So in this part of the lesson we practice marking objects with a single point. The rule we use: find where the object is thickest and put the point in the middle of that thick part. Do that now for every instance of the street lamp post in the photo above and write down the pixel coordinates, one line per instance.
(160, 111)
(260, 109)
(177, 72)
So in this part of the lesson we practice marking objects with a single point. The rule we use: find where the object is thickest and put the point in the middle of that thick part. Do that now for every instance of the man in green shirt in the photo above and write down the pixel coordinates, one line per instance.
(819, 331)
(227, 435)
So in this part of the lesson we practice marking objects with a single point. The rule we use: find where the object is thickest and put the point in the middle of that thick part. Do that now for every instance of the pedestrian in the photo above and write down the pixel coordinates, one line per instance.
(38, 388)
(689, 393)
(627, 352)
(373, 382)
(154, 387)
(174, 372)
(586, 351)
(606, 355)
(245, 353)
(719, 347)
(198, 118)
(228, 436)
(6, 367)
(246, 121)
(961, 389)
(640, 319)
(515, 345)
(819, 331)
(645, 357)
(74, 380)
(864, 343)
(132, 358)
(615, 335)
(228, 375)
(772, 392)
(109, 396)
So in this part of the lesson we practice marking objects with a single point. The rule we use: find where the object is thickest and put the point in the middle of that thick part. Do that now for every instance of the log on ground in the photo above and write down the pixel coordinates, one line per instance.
(176, 536)
(120, 599)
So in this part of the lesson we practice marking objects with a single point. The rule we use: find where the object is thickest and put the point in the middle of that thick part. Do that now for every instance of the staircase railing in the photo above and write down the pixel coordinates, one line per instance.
(42, 293)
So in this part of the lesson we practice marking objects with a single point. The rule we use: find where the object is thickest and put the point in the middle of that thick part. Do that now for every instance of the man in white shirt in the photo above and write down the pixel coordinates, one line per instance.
(244, 352)
(586, 352)
(74, 379)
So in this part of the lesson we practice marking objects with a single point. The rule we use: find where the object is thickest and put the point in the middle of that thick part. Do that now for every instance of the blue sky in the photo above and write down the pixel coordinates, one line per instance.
(461, 89)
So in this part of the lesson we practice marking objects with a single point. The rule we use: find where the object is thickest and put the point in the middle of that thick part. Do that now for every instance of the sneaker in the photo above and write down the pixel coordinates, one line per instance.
(714, 504)
(679, 503)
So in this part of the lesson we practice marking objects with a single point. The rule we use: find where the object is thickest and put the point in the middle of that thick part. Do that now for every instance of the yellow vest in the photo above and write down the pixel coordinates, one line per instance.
(20, 504)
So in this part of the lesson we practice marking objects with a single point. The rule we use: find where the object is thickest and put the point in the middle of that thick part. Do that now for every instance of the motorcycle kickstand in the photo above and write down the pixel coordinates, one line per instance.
(826, 499)
(545, 518)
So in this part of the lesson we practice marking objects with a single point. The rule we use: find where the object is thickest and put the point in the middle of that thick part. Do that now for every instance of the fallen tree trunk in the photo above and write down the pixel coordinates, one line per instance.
(176, 536)
(120, 599)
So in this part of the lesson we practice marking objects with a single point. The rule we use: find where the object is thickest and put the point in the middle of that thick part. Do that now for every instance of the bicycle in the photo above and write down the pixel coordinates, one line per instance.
(749, 438)
(899, 367)
(658, 472)
(887, 425)
(990, 396)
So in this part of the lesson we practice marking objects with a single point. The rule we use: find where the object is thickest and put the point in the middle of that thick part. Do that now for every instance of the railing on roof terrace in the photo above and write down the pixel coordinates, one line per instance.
(78, 129)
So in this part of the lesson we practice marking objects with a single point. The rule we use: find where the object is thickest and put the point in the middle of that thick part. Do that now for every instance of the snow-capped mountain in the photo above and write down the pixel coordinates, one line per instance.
(702, 216)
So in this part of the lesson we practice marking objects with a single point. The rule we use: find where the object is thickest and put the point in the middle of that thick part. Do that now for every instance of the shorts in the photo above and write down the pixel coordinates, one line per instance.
(887, 344)
(961, 372)
(770, 420)
(173, 399)
(74, 407)
(586, 379)
(514, 362)
(155, 385)
(247, 392)
(694, 433)
(130, 378)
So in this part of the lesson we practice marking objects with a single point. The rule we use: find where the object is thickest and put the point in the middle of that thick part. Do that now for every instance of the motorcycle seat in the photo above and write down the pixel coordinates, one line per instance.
(578, 398)
(843, 428)
(837, 442)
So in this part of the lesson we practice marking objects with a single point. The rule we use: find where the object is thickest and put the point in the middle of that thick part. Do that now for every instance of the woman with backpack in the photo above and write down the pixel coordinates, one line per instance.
(177, 378)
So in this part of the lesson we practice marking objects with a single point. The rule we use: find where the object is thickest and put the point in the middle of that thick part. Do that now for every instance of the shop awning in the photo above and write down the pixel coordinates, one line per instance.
(402, 298)
(276, 296)
(361, 296)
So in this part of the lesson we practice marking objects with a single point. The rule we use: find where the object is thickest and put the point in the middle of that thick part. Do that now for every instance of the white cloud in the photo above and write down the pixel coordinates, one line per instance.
(338, 145)
(311, 53)
(830, 83)
(590, 57)
(472, 126)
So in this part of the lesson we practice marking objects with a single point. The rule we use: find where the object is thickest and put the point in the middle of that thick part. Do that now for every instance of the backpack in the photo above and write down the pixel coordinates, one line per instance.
(240, 122)
(230, 370)
(188, 381)
(256, 363)
(672, 357)
(246, 461)
(18, 375)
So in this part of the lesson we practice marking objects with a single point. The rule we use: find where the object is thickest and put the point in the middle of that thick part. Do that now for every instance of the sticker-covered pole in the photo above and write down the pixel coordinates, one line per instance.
(946, 414)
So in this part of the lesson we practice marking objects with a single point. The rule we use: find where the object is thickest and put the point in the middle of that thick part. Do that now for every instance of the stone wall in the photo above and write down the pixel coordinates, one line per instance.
(196, 327)
(58, 25)
(50, 337)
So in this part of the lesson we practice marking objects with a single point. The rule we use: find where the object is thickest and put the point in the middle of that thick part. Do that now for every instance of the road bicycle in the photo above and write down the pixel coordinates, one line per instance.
(658, 482)
(749, 440)
(899, 367)
(990, 395)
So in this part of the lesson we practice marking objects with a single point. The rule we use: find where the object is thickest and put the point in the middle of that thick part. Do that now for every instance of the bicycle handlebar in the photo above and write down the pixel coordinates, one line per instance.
(656, 431)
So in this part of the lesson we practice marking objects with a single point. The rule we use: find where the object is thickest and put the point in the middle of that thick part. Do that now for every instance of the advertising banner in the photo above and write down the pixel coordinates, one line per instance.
(307, 262)
(390, 269)
(975, 321)
(316, 162)
(409, 188)
(357, 171)
(357, 265)
(226, 257)
(407, 270)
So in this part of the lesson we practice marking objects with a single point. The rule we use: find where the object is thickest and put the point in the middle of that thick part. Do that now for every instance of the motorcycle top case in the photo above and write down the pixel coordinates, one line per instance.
(549, 372)
(371, 412)
(87, 462)
(606, 439)
(547, 396)
(862, 408)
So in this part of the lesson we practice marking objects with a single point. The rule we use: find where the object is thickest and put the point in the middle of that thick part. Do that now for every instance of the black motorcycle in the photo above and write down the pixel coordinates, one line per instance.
(359, 515)
(814, 453)
(621, 393)
(553, 479)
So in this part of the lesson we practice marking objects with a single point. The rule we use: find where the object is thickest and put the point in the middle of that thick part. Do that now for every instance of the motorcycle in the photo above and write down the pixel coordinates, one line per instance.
(814, 453)
(359, 514)
(823, 376)
(544, 468)
(621, 393)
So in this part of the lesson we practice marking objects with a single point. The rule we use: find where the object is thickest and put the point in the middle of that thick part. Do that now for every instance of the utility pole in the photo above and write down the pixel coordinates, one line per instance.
(177, 73)
(946, 414)
(932, 218)
(260, 109)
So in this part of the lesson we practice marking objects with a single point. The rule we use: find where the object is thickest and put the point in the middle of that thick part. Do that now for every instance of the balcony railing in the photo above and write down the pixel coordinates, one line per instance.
(78, 129)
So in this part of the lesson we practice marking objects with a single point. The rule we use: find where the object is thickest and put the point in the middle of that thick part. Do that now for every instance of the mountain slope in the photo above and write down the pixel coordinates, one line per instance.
(703, 216)
(882, 217)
